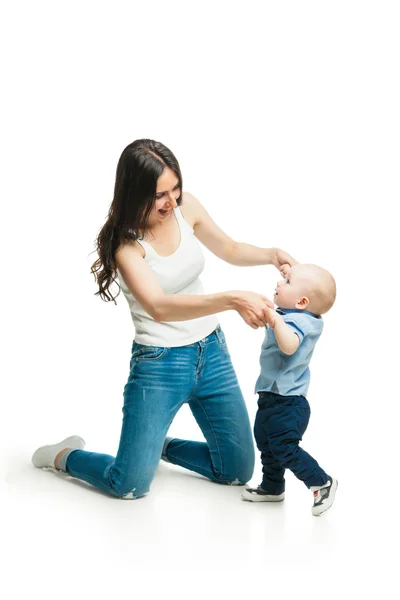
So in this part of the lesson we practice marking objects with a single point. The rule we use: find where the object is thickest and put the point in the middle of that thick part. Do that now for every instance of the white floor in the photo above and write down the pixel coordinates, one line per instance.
(284, 117)
(191, 537)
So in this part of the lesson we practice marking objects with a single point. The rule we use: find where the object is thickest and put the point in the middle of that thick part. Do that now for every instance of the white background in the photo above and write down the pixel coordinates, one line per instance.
(284, 117)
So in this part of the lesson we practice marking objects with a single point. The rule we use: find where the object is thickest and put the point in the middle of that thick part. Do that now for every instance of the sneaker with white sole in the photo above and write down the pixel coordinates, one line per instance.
(323, 496)
(45, 455)
(259, 495)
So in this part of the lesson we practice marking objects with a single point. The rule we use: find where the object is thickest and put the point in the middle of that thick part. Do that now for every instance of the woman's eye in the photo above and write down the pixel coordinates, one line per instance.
(159, 196)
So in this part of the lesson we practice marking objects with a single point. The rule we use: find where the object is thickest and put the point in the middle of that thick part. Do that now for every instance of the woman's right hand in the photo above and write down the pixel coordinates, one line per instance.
(252, 308)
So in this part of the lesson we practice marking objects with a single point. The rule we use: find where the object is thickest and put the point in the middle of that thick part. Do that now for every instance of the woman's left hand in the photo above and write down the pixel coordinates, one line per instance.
(280, 258)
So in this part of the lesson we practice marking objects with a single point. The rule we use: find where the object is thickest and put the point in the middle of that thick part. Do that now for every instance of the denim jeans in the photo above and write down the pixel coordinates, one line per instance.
(160, 381)
(279, 426)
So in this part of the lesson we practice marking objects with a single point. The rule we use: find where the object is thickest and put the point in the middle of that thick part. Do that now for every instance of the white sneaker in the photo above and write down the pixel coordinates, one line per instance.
(45, 455)
(259, 495)
(323, 496)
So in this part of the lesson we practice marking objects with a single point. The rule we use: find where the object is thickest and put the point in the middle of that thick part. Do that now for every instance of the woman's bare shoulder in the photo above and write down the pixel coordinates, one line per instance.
(190, 208)
(129, 249)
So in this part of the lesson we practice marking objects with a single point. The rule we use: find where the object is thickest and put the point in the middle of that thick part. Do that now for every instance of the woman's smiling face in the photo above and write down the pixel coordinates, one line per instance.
(167, 193)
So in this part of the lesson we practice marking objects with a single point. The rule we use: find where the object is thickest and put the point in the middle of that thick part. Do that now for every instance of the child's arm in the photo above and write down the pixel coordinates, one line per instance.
(287, 340)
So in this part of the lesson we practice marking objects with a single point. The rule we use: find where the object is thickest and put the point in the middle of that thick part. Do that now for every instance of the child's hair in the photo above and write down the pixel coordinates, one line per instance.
(322, 290)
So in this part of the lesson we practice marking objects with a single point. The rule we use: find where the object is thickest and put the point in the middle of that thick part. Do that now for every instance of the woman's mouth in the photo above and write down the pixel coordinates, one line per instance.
(165, 212)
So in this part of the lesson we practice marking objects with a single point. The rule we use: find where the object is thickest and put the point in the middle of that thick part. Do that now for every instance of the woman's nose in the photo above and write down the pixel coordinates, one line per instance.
(172, 200)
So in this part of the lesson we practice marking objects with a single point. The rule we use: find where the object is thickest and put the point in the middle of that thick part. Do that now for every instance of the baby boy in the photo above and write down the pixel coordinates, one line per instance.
(306, 293)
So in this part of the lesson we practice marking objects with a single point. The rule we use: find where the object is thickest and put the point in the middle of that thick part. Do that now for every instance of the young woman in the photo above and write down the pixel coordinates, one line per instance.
(149, 247)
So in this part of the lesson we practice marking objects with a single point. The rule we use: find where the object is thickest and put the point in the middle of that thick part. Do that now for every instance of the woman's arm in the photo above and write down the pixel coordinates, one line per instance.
(144, 286)
(245, 255)
(220, 244)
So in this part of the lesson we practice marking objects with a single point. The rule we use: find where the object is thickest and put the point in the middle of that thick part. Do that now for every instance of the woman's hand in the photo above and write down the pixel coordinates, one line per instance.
(252, 308)
(281, 258)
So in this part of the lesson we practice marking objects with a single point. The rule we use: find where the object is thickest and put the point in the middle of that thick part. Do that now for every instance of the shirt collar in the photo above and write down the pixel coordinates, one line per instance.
(285, 311)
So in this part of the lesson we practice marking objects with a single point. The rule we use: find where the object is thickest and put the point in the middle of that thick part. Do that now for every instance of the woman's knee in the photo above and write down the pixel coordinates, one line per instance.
(129, 486)
(133, 495)
(239, 477)
(238, 470)
(129, 492)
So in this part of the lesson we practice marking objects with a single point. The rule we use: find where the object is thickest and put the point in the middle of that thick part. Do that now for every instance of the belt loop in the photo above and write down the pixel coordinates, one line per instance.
(218, 332)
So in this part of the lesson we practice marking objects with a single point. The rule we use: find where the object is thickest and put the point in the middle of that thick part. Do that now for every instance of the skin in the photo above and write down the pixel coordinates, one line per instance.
(142, 283)
(58, 458)
(296, 290)
(167, 193)
(163, 234)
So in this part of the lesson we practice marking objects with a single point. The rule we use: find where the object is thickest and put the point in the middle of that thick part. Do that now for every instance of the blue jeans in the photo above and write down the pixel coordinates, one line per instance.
(160, 381)
(279, 426)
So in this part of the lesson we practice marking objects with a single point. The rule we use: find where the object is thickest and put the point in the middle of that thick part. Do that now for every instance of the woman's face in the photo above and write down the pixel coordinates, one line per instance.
(167, 193)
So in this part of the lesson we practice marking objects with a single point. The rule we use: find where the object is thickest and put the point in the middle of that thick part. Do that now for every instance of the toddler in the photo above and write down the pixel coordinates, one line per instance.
(283, 412)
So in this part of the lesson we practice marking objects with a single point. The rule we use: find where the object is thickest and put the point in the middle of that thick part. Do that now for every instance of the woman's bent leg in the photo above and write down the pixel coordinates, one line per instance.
(218, 406)
(152, 396)
(130, 473)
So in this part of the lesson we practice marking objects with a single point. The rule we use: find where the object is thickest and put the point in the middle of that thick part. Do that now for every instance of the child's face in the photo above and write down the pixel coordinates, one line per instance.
(290, 291)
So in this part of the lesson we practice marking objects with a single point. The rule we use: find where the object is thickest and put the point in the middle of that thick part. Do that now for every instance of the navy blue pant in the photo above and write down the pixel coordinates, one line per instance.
(279, 426)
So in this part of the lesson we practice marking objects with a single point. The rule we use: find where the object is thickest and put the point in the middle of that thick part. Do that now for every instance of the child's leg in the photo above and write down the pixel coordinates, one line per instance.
(273, 473)
(287, 419)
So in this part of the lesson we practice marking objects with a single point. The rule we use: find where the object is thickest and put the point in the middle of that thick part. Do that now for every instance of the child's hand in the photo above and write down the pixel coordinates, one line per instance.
(270, 317)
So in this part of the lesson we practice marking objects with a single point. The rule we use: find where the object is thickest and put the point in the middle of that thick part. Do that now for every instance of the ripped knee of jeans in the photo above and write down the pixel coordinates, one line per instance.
(132, 496)
(129, 495)
(236, 482)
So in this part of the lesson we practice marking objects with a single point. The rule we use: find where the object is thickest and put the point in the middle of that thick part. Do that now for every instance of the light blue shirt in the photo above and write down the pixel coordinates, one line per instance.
(283, 374)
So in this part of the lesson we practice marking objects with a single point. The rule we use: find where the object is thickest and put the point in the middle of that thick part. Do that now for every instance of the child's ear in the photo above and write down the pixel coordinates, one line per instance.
(303, 303)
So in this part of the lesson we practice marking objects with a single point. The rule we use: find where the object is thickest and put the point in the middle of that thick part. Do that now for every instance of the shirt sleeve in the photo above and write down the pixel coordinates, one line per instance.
(297, 325)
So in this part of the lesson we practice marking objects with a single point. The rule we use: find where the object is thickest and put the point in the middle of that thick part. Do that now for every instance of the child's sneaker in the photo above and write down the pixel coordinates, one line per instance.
(323, 496)
(45, 455)
(259, 495)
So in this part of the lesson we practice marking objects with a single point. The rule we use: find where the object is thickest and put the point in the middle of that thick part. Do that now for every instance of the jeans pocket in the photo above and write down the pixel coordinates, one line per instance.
(222, 342)
(150, 353)
(225, 348)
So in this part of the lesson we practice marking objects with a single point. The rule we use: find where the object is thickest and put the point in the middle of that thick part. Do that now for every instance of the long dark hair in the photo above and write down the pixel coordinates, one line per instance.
(138, 169)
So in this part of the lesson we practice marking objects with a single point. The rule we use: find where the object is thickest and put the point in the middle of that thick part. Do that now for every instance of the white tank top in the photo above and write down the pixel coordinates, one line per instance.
(177, 273)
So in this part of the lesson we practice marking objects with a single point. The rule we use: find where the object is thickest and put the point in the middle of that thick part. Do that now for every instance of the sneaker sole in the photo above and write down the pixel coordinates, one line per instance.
(39, 457)
(317, 511)
(249, 497)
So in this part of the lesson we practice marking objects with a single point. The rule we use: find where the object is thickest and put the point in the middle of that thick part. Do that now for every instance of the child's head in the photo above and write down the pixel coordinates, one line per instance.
(306, 287)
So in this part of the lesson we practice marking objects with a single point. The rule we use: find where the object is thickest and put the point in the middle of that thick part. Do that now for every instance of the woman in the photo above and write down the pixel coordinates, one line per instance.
(148, 246)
